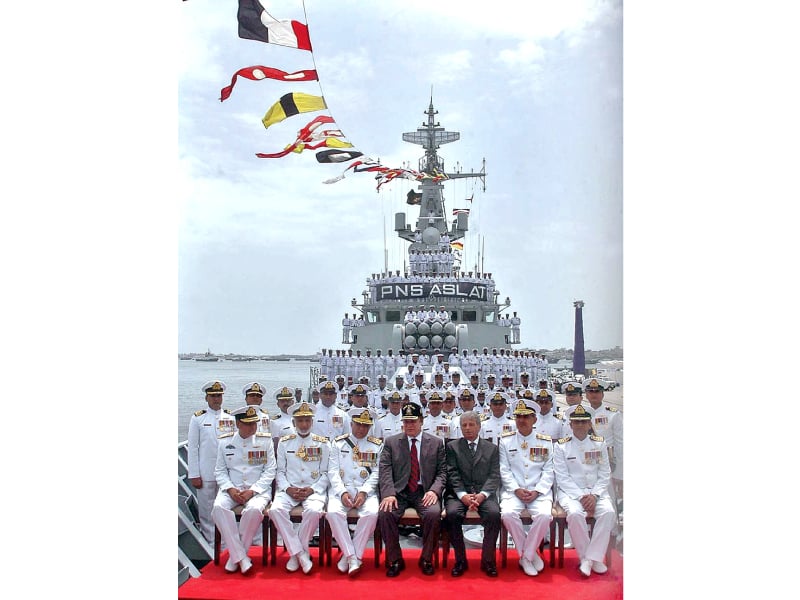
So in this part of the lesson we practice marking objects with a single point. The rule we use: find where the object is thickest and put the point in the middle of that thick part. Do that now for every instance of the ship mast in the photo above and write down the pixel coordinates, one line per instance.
(432, 221)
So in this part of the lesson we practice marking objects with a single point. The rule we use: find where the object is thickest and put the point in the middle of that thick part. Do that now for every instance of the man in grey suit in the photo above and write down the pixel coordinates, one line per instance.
(473, 481)
(411, 473)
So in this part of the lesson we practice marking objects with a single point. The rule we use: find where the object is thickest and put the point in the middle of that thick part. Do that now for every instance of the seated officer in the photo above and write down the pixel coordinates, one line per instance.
(583, 475)
(353, 476)
(244, 472)
(301, 478)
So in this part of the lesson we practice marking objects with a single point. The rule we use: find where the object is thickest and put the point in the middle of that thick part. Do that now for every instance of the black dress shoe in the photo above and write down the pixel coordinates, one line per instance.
(426, 566)
(459, 568)
(395, 568)
(490, 570)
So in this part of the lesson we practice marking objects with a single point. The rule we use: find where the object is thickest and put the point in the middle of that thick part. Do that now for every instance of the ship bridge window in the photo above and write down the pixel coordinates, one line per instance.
(393, 316)
(469, 315)
(373, 316)
(488, 316)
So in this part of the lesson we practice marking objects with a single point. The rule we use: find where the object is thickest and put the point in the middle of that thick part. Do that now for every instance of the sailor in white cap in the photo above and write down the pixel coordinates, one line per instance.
(498, 422)
(330, 420)
(206, 428)
(244, 470)
(392, 422)
(583, 475)
(547, 422)
(302, 478)
(436, 422)
(375, 396)
(281, 423)
(253, 393)
(359, 393)
(526, 470)
(607, 422)
(353, 475)
(573, 394)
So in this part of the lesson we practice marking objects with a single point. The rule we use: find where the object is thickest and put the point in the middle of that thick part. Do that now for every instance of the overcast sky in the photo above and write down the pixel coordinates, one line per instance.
(270, 257)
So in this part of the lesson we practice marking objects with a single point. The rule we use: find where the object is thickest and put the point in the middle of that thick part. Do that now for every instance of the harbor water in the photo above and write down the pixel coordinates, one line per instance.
(273, 375)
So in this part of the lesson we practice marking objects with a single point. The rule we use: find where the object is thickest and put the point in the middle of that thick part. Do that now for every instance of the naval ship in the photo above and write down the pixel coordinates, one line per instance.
(469, 298)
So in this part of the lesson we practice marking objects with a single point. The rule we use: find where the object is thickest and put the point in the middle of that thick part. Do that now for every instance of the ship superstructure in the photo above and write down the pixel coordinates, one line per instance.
(469, 299)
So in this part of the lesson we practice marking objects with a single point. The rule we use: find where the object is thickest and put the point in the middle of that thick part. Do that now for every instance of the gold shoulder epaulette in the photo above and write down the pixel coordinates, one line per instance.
(224, 435)
(344, 436)
(507, 433)
(288, 436)
(543, 436)
(259, 434)
(559, 415)
(200, 413)
(319, 438)
(484, 416)
(612, 409)
(564, 440)
(226, 410)
(596, 438)
(275, 417)
(375, 440)
(447, 417)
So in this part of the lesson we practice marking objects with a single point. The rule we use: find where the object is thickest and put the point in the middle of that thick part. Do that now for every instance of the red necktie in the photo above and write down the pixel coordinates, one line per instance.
(414, 478)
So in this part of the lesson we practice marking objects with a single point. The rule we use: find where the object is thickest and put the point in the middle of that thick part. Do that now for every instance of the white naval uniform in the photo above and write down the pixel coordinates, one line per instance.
(493, 428)
(297, 468)
(520, 468)
(330, 421)
(550, 424)
(607, 423)
(353, 473)
(438, 425)
(281, 425)
(389, 424)
(582, 468)
(206, 428)
(246, 465)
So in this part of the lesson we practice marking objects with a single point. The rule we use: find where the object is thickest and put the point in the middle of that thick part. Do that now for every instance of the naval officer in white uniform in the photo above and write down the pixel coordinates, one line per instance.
(353, 477)
(301, 478)
(206, 428)
(244, 470)
(526, 470)
(582, 477)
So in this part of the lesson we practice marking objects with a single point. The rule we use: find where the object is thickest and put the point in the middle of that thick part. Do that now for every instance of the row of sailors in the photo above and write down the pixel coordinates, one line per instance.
(431, 261)
(419, 277)
(426, 316)
(441, 418)
(441, 407)
(344, 363)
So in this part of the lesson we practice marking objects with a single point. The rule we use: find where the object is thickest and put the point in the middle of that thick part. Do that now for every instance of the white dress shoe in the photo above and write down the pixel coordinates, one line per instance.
(245, 565)
(528, 567)
(305, 562)
(585, 568)
(292, 565)
(342, 564)
(537, 562)
(599, 567)
(354, 566)
(230, 566)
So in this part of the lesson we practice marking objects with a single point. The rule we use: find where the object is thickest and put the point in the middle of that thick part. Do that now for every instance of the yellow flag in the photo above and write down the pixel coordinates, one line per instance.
(290, 105)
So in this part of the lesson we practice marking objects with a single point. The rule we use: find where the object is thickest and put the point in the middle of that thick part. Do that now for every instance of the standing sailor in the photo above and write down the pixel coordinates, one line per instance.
(206, 428)
(281, 422)
(253, 396)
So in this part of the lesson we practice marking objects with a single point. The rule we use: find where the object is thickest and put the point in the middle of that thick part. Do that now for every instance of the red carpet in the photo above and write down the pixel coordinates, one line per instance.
(265, 582)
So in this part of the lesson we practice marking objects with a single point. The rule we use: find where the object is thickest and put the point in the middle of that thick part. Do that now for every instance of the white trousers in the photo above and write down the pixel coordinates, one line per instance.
(593, 548)
(296, 541)
(367, 519)
(238, 538)
(205, 504)
(541, 511)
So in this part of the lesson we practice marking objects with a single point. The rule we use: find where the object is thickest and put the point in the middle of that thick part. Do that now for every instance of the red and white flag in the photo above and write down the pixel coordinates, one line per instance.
(258, 72)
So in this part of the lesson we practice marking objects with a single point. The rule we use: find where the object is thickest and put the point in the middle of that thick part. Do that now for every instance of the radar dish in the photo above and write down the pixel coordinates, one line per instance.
(423, 137)
(430, 236)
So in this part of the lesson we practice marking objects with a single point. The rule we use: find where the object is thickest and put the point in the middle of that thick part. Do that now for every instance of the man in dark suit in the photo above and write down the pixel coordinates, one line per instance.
(473, 481)
(411, 473)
